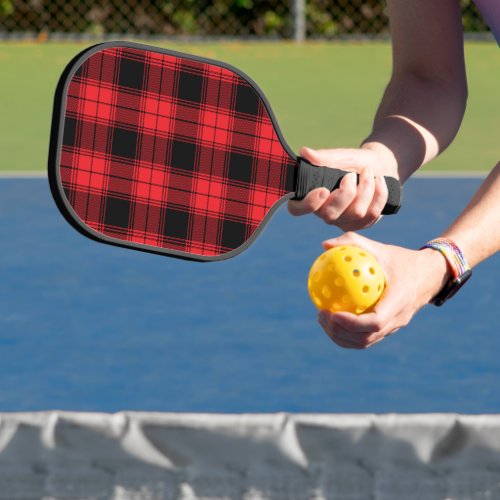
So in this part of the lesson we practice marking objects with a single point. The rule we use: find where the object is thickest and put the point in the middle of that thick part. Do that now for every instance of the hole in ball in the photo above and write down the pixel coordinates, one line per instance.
(346, 299)
(366, 289)
(348, 258)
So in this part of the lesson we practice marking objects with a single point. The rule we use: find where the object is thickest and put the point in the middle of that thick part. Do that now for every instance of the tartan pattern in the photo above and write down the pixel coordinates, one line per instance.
(169, 152)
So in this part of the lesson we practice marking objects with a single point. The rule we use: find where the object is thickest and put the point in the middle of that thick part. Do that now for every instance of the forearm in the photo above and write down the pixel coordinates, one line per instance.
(477, 230)
(416, 120)
(424, 103)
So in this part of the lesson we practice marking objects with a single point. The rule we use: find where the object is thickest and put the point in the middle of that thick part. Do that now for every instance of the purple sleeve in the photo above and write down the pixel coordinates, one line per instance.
(490, 9)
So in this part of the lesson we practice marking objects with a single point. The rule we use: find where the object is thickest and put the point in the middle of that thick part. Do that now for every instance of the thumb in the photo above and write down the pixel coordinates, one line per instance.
(377, 249)
(349, 238)
(351, 159)
(311, 155)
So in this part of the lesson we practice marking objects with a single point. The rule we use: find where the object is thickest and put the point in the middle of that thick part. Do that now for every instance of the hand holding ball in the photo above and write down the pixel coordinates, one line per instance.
(346, 278)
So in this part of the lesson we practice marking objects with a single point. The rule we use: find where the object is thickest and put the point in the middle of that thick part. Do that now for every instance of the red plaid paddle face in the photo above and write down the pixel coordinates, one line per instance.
(165, 152)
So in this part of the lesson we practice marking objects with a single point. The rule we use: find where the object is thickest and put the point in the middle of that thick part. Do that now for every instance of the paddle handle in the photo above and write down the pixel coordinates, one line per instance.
(311, 177)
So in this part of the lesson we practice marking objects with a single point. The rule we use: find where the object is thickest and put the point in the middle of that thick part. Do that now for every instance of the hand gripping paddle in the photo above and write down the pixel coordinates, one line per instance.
(171, 153)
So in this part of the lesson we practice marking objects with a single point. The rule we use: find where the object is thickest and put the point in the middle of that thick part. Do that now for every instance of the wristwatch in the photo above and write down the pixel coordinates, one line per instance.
(460, 270)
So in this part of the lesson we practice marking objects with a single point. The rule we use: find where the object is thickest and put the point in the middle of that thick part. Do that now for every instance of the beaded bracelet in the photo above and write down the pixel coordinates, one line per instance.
(460, 269)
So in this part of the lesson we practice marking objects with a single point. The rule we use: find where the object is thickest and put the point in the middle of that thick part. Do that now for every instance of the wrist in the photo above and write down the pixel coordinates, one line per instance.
(386, 156)
(437, 272)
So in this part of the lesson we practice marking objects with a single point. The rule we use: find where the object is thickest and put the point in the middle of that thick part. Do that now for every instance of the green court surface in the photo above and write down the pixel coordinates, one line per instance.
(323, 95)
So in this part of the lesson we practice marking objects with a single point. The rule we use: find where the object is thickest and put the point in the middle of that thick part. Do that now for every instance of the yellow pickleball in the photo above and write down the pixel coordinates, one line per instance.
(346, 278)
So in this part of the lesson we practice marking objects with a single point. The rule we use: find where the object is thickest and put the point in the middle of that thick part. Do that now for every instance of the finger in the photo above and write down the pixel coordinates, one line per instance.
(362, 324)
(353, 342)
(338, 334)
(346, 338)
(342, 340)
(312, 156)
(311, 203)
(372, 343)
(378, 250)
(344, 344)
(359, 224)
(380, 196)
(367, 202)
(338, 201)
(348, 238)
(376, 338)
(352, 339)
(361, 340)
(365, 191)
(385, 318)
(392, 332)
(335, 205)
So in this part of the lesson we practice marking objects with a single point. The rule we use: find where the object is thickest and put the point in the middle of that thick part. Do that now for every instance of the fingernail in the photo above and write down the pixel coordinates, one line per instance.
(347, 178)
(324, 194)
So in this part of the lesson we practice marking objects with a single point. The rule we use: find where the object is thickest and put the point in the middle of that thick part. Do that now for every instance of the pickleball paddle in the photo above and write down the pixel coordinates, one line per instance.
(172, 153)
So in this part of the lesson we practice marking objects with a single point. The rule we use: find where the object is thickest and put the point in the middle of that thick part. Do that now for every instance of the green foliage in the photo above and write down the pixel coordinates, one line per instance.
(186, 21)
(272, 22)
(6, 8)
(244, 4)
(320, 22)
(325, 18)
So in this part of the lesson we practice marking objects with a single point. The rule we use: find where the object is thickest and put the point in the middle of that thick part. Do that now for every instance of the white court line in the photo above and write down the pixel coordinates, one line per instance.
(23, 174)
(454, 174)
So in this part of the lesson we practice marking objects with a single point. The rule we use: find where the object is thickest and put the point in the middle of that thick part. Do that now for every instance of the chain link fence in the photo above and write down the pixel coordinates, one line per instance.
(206, 18)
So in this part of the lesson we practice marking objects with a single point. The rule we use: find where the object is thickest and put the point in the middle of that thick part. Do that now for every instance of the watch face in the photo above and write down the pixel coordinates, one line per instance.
(451, 288)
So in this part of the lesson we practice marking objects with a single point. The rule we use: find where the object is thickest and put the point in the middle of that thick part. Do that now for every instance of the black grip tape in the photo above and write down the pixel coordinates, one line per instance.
(311, 177)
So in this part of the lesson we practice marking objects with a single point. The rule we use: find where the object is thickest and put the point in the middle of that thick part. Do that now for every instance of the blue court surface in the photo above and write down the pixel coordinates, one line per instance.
(90, 327)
